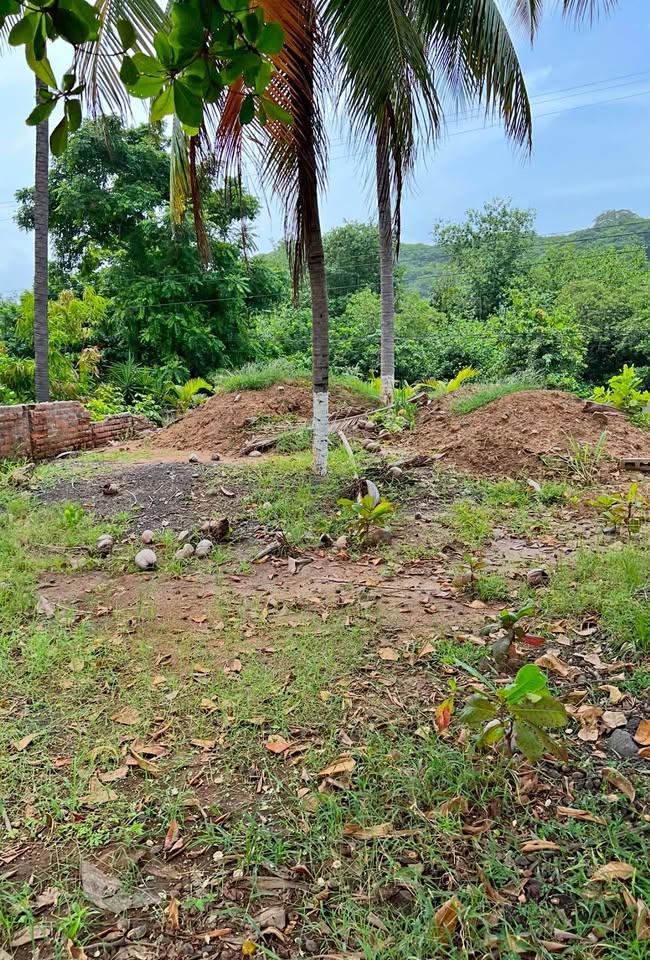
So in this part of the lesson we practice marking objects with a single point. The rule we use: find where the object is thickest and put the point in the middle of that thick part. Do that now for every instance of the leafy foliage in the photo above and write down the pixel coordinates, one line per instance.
(366, 513)
(623, 391)
(518, 715)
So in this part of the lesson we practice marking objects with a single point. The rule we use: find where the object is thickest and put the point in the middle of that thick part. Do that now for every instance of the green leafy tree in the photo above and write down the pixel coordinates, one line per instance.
(487, 251)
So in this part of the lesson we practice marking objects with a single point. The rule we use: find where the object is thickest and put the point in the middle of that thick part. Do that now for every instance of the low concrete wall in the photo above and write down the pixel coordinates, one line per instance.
(40, 431)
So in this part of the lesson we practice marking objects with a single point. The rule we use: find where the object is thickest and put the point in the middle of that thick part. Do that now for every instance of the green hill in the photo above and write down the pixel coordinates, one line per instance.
(420, 263)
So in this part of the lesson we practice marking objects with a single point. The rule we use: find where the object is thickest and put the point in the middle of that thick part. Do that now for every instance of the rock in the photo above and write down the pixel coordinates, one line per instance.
(137, 933)
(218, 528)
(255, 453)
(537, 578)
(193, 458)
(203, 548)
(372, 446)
(184, 536)
(145, 559)
(104, 545)
(622, 744)
(341, 543)
(111, 489)
(396, 472)
(45, 607)
(378, 536)
(215, 456)
(185, 552)
(147, 536)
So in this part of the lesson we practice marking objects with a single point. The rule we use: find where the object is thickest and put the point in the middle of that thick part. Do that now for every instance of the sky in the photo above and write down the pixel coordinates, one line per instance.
(590, 92)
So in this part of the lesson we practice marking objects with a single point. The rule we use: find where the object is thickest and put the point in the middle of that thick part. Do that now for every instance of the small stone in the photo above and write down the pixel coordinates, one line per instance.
(104, 545)
(418, 516)
(137, 933)
(622, 744)
(378, 536)
(537, 578)
(215, 456)
(372, 446)
(185, 552)
(396, 472)
(255, 453)
(111, 489)
(341, 543)
(184, 536)
(193, 458)
(203, 548)
(145, 559)
(267, 505)
(147, 536)
(218, 528)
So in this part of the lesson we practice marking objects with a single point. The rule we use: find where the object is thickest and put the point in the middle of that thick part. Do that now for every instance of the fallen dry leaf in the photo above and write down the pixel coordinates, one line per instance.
(97, 794)
(642, 734)
(37, 932)
(576, 814)
(172, 920)
(277, 744)
(145, 764)
(340, 765)
(208, 705)
(533, 846)
(388, 653)
(615, 695)
(172, 835)
(106, 891)
(620, 781)
(112, 775)
(446, 917)
(642, 920)
(588, 716)
(24, 742)
(550, 662)
(203, 744)
(74, 952)
(128, 716)
(613, 719)
(616, 870)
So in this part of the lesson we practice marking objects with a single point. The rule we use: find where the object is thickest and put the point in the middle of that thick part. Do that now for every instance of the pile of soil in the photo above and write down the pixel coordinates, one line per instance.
(227, 421)
(510, 436)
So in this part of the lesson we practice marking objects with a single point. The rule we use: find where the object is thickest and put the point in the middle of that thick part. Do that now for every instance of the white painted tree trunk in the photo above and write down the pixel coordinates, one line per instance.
(41, 238)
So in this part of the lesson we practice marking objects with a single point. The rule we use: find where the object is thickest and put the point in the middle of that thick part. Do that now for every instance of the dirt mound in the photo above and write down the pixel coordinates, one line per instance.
(510, 436)
(227, 421)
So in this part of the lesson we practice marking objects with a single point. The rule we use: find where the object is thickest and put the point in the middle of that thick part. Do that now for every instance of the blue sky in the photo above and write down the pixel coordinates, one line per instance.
(591, 100)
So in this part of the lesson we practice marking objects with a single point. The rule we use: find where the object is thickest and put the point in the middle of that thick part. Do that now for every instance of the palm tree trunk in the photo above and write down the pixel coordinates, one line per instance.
(319, 338)
(385, 267)
(41, 229)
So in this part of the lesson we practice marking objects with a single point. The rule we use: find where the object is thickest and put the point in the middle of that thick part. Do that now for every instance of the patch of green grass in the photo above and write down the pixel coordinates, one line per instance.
(259, 376)
(471, 524)
(613, 585)
(489, 587)
(638, 683)
(482, 394)
(285, 495)
(294, 440)
(517, 493)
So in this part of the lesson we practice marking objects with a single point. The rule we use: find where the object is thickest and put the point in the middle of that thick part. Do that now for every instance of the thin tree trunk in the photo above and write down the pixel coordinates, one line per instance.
(41, 236)
(319, 340)
(385, 267)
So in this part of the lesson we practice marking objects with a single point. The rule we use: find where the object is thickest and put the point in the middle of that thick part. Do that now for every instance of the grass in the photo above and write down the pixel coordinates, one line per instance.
(260, 376)
(612, 585)
(286, 496)
(480, 395)
(308, 671)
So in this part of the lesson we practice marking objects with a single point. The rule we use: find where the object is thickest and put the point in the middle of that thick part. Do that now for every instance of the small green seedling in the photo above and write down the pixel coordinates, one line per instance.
(366, 513)
(73, 514)
(519, 715)
(510, 622)
(626, 511)
(440, 388)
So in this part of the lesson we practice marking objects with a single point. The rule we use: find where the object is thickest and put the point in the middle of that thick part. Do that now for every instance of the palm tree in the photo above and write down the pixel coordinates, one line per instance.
(41, 231)
(393, 99)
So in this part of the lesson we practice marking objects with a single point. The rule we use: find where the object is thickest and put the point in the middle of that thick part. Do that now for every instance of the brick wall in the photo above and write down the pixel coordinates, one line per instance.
(40, 431)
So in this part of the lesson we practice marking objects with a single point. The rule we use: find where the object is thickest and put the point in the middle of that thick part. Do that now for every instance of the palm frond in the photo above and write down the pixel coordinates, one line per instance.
(529, 12)
(98, 64)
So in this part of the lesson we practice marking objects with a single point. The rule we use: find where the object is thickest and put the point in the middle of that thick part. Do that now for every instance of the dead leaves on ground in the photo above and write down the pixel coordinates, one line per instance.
(616, 870)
